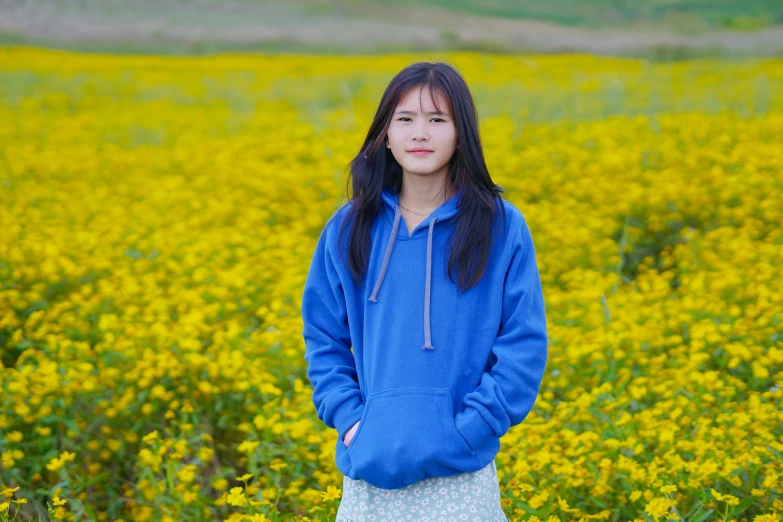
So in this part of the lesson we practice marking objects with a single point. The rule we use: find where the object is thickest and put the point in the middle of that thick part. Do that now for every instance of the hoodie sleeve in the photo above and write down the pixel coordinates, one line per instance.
(507, 392)
(330, 363)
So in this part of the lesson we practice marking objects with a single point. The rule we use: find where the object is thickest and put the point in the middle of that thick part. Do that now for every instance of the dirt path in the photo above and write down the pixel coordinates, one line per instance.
(175, 26)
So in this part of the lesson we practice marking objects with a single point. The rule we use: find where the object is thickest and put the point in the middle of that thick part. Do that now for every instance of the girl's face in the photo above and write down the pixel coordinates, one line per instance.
(415, 126)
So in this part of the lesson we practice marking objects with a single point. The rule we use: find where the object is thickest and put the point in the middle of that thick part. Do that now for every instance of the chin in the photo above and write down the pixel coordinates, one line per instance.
(418, 168)
(422, 172)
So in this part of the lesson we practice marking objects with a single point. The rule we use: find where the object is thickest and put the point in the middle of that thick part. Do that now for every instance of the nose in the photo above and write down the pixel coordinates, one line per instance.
(420, 131)
(420, 134)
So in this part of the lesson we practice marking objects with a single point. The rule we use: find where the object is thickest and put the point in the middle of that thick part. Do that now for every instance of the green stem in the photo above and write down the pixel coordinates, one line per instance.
(277, 483)
(674, 508)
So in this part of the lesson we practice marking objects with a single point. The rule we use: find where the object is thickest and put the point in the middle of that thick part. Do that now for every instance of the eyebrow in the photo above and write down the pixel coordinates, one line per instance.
(438, 113)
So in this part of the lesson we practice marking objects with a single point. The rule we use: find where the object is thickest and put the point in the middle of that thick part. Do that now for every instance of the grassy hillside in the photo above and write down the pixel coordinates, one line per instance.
(673, 14)
(653, 29)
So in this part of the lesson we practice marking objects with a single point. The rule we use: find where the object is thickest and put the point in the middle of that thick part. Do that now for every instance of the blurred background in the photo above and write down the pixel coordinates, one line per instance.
(166, 169)
(651, 28)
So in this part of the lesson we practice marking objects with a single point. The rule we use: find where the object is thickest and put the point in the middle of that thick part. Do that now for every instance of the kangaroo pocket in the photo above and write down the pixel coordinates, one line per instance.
(406, 435)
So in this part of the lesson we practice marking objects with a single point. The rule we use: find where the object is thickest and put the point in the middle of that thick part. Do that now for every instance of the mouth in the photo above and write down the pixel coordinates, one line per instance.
(420, 152)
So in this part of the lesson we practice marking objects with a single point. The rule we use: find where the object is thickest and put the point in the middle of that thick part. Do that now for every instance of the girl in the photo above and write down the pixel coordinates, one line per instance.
(441, 367)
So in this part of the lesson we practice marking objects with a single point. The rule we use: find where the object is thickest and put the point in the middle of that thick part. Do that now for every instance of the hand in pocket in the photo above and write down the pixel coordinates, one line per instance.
(349, 434)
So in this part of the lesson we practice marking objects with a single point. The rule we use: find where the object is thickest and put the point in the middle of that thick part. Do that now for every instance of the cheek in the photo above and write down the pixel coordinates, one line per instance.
(447, 141)
(448, 136)
(395, 135)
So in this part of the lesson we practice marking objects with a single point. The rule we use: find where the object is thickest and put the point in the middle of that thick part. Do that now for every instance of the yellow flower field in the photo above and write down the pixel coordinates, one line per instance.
(157, 218)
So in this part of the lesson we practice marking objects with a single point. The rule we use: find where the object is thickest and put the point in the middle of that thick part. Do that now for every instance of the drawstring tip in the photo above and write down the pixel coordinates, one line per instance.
(427, 347)
(373, 299)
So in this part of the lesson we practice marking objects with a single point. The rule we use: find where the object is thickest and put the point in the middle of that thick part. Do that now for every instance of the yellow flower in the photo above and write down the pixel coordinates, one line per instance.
(189, 497)
(58, 502)
(54, 464)
(188, 473)
(244, 477)
(205, 454)
(236, 497)
(657, 507)
(668, 489)
(772, 517)
(150, 437)
(66, 455)
(221, 500)
(248, 446)
(9, 492)
(331, 492)
(563, 505)
(7, 459)
(277, 466)
(14, 436)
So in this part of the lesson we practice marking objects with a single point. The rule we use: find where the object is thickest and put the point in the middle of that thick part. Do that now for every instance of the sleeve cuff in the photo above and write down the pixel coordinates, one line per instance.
(348, 414)
(473, 428)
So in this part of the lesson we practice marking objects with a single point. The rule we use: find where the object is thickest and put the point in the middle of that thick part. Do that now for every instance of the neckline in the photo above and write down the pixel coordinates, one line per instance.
(443, 212)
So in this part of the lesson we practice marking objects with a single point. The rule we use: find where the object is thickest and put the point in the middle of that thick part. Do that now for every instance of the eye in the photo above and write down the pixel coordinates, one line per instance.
(407, 118)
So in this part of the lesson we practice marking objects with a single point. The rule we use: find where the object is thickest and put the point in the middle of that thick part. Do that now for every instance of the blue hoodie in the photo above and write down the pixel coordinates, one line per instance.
(436, 376)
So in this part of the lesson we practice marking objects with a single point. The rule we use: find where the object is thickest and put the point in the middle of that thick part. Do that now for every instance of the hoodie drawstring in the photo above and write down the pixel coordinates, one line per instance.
(427, 282)
(428, 279)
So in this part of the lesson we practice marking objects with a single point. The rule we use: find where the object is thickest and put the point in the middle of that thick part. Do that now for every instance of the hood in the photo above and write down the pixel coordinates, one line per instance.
(391, 211)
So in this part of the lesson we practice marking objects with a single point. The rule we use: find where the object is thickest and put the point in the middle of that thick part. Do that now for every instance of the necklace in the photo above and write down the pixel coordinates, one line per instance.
(418, 213)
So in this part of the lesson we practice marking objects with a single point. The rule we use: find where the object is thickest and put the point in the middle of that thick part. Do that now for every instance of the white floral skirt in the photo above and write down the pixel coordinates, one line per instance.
(473, 497)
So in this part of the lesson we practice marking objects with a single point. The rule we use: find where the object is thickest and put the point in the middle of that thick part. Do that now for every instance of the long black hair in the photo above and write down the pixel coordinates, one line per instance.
(375, 167)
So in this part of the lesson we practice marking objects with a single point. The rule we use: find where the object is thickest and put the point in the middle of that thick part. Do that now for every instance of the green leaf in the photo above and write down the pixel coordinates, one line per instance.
(72, 425)
(696, 507)
(704, 516)
(744, 504)
(93, 480)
